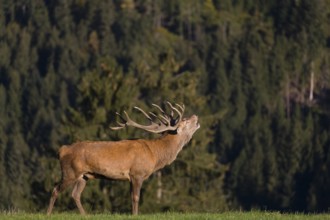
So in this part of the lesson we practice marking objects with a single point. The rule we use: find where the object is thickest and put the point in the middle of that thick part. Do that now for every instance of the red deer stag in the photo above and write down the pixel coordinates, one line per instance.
(133, 160)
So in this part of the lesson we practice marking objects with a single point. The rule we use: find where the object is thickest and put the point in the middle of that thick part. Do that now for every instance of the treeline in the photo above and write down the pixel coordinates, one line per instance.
(256, 72)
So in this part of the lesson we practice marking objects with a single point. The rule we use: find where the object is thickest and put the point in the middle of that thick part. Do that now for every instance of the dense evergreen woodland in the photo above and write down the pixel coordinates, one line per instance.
(257, 73)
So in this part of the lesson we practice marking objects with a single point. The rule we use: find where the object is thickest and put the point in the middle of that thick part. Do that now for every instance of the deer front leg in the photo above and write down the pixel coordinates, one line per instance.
(136, 184)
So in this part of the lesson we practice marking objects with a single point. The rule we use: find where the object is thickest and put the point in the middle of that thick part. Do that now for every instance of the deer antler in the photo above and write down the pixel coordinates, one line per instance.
(165, 121)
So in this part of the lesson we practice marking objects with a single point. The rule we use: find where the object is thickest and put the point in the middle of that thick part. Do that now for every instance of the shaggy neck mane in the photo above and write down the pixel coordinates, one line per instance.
(166, 148)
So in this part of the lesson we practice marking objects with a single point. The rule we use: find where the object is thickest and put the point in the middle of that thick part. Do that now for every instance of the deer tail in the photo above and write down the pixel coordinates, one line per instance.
(63, 151)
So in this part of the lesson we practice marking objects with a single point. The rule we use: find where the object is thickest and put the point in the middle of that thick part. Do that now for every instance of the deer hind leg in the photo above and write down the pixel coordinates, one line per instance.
(76, 192)
(57, 189)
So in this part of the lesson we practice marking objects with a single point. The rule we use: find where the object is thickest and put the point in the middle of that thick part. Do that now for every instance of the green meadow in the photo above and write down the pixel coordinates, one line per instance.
(169, 215)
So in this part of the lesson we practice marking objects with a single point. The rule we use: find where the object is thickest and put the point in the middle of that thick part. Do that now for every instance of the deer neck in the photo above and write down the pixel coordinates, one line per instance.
(166, 149)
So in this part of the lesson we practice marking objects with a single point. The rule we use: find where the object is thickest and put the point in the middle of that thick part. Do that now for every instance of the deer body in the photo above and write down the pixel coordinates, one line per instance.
(84, 158)
(132, 160)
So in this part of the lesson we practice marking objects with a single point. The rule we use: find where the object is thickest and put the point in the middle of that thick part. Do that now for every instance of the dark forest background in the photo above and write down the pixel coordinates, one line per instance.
(256, 72)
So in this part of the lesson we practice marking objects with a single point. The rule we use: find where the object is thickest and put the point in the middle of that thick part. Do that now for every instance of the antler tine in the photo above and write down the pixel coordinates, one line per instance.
(121, 125)
(181, 107)
(153, 114)
(159, 108)
(165, 120)
(156, 117)
(143, 112)
(165, 116)
(121, 117)
(171, 106)
(175, 109)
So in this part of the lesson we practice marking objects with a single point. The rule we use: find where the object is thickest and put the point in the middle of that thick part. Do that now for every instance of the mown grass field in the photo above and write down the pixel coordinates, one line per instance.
(168, 216)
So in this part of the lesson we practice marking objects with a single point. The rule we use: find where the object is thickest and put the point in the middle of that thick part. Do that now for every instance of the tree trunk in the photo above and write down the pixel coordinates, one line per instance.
(311, 90)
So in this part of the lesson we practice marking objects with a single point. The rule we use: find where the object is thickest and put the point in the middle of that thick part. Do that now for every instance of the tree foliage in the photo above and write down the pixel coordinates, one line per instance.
(256, 73)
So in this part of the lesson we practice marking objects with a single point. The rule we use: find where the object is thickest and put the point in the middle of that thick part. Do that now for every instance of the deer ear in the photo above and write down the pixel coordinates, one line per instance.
(180, 127)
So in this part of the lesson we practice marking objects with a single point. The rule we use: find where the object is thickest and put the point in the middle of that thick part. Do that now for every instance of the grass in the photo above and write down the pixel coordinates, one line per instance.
(168, 216)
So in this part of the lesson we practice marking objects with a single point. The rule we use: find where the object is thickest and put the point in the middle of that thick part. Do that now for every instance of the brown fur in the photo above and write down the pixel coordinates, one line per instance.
(133, 160)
